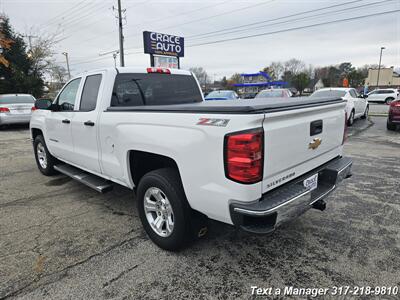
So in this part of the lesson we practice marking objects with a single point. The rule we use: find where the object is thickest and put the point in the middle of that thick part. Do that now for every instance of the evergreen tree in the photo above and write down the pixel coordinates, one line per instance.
(20, 75)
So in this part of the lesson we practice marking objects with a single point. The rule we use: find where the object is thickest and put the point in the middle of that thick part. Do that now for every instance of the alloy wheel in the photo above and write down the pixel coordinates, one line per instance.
(159, 212)
(41, 155)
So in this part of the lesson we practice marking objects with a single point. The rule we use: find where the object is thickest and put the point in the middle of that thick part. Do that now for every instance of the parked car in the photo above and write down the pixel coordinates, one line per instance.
(383, 95)
(356, 105)
(16, 108)
(189, 159)
(222, 95)
(394, 115)
(274, 93)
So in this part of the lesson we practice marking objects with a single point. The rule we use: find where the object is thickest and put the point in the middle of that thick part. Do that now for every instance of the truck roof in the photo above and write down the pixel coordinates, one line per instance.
(134, 70)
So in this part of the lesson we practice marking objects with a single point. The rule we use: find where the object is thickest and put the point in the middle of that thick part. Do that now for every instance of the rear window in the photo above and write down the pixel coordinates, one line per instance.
(220, 94)
(329, 93)
(154, 89)
(10, 99)
(271, 94)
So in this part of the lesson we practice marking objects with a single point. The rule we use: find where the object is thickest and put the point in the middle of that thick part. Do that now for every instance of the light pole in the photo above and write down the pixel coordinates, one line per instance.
(66, 58)
(379, 67)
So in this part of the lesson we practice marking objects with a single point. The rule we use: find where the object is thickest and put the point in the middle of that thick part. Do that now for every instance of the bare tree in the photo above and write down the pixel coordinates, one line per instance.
(275, 70)
(294, 66)
(41, 52)
(201, 75)
(58, 76)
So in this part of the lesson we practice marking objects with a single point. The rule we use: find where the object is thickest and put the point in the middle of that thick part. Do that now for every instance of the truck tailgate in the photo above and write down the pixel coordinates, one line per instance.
(299, 140)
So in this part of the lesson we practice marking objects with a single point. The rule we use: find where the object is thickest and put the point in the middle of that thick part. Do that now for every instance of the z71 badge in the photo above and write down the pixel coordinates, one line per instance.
(213, 122)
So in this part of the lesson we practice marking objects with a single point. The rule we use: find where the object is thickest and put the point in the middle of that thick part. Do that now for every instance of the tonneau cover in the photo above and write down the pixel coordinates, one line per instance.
(261, 105)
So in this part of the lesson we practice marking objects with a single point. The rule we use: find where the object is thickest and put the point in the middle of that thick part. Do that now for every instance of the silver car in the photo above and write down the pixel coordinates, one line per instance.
(16, 108)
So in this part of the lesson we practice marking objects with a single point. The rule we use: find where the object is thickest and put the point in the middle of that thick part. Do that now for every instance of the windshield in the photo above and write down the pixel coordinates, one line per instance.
(154, 89)
(13, 99)
(329, 93)
(220, 94)
(271, 94)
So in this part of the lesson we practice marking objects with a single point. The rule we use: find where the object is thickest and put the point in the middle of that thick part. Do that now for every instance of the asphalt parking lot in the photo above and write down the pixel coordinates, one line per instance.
(60, 239)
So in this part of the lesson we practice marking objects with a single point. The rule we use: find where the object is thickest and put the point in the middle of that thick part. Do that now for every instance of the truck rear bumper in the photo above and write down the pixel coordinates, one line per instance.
(290, 200)
(15, 119)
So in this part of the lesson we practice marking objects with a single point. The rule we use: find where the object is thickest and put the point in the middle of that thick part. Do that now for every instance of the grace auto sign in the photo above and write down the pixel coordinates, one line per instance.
(163, 44)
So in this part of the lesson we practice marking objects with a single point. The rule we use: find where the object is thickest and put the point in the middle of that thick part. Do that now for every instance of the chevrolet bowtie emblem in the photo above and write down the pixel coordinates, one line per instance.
(315, 143)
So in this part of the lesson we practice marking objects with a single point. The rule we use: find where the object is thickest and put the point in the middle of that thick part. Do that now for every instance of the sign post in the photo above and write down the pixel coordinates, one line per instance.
(164, 49)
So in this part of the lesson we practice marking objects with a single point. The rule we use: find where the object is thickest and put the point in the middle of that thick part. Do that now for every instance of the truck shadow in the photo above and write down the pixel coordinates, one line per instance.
(14, 127)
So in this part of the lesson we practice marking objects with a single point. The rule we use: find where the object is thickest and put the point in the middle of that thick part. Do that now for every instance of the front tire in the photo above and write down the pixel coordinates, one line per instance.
(365, 115)
(163, 209)
(350, 121)
(389, 100)
(44, 160)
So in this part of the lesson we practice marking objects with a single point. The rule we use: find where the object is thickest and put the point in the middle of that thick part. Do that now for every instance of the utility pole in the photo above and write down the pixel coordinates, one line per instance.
(66, 58)
(121, 36)
(379, 67)
(29, 36)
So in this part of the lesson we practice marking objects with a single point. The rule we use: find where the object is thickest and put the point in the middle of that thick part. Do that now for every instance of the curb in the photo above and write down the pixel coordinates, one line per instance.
(377, 115)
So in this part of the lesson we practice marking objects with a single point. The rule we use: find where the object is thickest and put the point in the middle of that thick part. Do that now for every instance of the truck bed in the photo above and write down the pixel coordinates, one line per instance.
(244, 106)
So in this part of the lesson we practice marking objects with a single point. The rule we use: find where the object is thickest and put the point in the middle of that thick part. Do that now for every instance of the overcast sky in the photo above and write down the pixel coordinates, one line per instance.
(88, 28)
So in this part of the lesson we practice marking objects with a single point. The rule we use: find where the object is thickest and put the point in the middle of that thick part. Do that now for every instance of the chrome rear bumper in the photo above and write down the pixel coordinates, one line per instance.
(290, 200)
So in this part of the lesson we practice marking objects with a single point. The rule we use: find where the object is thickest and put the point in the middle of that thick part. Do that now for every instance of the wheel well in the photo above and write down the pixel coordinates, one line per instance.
(389, 98)
(36, 132)
(141, 162)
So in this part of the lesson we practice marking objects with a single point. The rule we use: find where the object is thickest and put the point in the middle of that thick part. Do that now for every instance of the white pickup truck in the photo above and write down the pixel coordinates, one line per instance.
(251, 163)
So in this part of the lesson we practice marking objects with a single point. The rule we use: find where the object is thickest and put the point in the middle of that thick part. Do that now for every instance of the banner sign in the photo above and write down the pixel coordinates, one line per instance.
(163, 44)
(168, 62)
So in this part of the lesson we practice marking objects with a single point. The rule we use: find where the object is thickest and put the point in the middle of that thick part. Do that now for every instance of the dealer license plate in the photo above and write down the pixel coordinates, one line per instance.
(311, 182)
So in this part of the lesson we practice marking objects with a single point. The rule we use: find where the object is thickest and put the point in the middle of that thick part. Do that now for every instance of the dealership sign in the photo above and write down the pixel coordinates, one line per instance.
(163, 44)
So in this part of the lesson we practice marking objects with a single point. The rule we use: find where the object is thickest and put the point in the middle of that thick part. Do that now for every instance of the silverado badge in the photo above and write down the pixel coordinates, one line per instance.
(315, 143)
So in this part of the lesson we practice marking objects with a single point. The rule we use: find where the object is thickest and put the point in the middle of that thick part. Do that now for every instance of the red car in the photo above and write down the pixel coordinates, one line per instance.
(394, 115)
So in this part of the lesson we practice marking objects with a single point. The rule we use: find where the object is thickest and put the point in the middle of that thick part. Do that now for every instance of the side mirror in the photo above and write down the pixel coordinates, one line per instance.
(43, 104)
(364, 96)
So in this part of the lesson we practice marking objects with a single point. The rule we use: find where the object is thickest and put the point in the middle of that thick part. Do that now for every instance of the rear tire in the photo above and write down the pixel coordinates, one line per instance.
(163, 209)
(390, 126)
(365, 115)
(44, 160)
(388, 100)
(350, 121)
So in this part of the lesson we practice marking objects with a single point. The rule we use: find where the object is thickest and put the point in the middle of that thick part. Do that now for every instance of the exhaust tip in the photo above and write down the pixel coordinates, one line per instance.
(320, 205)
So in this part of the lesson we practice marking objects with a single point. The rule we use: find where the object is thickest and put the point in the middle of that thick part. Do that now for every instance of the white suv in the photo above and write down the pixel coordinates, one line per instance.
(383, 95)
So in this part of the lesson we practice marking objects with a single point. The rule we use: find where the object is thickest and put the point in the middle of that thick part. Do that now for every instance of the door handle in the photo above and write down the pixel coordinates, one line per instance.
(89, 123)
(66, 121)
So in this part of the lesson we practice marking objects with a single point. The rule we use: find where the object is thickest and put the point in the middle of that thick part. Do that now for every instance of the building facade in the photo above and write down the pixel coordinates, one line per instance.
(387, 78)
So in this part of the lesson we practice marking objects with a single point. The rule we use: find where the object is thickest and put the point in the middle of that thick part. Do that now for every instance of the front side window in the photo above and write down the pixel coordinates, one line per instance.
(132, 89)
(90, 92)
(353, 94)
(66, 100)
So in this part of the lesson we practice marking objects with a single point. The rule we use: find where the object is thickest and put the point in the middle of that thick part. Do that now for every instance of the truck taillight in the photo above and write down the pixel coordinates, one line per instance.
(244, 156)
(4, 110)
(345, 128)
(158, 70)
(33, 108)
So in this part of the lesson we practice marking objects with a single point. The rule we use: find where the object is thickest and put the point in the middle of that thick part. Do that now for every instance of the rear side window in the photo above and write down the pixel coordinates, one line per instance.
(90, 92)
(154, 89)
